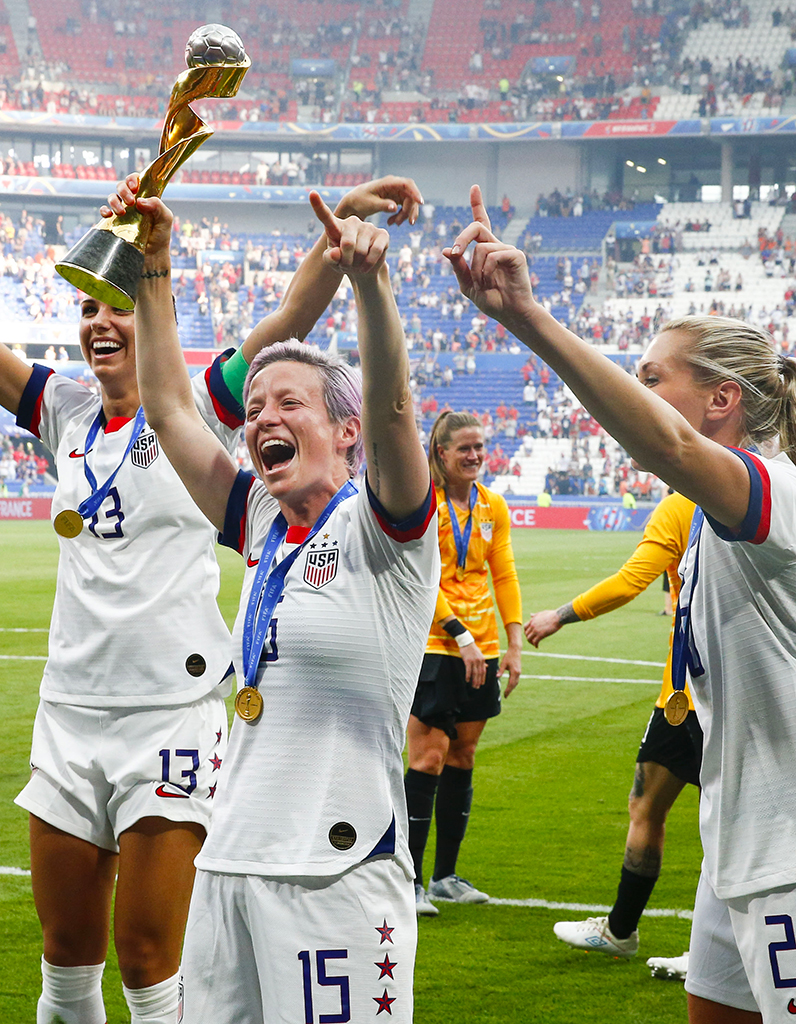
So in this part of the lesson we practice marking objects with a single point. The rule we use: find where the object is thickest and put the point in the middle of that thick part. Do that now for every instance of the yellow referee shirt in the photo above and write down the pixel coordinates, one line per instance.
(469, 598)
(662, 546)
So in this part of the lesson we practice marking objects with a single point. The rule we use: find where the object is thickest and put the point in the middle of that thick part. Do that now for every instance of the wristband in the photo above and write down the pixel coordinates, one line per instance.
(454, 628)
(465, 638)
(233, 371)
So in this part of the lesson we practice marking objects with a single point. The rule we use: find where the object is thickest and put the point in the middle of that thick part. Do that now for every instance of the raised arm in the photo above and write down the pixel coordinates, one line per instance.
(14, 376)
(315, 283)
(397, 466)
(199, 458)
(654, 433)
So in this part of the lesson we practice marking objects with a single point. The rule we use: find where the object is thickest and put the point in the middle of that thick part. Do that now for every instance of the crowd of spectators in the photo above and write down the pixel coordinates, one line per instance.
(21, 466)
(609, 473)
(379, 54)
(28, 262)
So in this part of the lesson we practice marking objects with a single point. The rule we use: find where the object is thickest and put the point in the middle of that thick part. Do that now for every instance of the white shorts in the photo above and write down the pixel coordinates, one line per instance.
(306, 949)
(96, 772)
(743, 951)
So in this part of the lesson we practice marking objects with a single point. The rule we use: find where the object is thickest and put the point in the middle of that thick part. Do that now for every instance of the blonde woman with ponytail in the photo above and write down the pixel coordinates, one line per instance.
(711, 394)
(458, 689)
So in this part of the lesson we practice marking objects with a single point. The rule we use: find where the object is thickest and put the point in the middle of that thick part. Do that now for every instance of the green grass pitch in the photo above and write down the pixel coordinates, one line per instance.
(548, 822)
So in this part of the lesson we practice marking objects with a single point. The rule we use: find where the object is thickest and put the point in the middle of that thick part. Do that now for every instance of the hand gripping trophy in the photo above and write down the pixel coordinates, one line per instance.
(107, 261)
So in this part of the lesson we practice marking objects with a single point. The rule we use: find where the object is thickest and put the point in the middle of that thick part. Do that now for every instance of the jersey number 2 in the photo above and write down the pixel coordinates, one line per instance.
(779, 947)
(321, 956)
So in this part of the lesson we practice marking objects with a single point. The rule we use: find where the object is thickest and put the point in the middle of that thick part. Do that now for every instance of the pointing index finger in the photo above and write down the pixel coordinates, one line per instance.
(478, 208)
(325, 216)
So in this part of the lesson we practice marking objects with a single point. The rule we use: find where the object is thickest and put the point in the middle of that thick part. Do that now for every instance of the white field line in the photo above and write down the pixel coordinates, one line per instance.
(563, 679)
(22, 657)
(589, 657)
(579, 908)
(530, 654)
(594, 679)
(582, 908)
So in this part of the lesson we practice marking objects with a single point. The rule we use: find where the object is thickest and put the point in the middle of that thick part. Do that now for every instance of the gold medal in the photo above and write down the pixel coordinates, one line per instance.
(459, 573)
(249, 704)
(676, 707)
(68, 523)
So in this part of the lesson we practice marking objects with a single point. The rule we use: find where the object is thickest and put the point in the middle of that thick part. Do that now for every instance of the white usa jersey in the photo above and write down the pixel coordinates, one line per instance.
(135, 619)
(743, 614)
(315, 785)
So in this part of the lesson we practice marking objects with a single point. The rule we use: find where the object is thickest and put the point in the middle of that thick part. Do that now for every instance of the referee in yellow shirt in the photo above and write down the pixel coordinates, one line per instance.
(458, 689)
(669, 756)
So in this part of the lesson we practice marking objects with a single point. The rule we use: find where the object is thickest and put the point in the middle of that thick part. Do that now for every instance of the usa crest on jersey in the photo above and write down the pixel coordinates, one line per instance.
(145, 450)
(486, 530)
(321, 567)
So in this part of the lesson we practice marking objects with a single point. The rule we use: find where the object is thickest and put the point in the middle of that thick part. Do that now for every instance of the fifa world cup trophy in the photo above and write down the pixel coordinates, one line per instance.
(107, 261)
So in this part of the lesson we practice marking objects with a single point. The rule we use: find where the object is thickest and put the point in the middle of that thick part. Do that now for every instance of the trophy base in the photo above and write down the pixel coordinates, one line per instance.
(104, 266)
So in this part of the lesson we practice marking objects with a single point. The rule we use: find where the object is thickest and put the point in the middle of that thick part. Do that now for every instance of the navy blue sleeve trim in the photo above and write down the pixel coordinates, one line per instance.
(234, 535)
(29, 411)
(219, 391)
(758, 513)
(412, 522)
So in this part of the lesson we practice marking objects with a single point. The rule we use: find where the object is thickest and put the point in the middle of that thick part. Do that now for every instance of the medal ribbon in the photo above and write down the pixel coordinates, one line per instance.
(268, 585)
(462, 542)
(88, 507)
(685, 655)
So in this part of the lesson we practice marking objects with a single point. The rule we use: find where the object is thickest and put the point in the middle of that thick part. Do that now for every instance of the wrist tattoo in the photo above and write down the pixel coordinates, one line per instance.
(155, 273)
(566, 614)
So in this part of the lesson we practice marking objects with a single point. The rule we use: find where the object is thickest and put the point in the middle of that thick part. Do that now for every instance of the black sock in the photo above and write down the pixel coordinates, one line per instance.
(420, 790)
(632, 897)
(454, 798)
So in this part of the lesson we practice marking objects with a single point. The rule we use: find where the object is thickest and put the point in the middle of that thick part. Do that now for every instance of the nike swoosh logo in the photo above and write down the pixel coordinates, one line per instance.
(161, 791)
(75, 454)
(792, 1006)
(251, 564)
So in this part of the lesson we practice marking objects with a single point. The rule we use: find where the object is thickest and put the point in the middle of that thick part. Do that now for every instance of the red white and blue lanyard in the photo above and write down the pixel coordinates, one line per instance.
(462, 541)
(685, 655)
(269, 583)
(88, 507)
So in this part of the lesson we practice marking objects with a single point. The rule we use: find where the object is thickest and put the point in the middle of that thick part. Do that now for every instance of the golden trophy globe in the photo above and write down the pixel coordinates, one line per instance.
(108, 260)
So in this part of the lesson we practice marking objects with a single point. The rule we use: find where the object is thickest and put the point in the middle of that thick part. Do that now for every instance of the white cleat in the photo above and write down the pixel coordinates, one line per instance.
(671, 968)
(423, 905)
(594, 934)
(457, 889)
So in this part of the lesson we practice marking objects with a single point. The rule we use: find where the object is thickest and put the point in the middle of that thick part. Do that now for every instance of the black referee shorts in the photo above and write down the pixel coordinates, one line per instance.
(676, 747)
(444, 698)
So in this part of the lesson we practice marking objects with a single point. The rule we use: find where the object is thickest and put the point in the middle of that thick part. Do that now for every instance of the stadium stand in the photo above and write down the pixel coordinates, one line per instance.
(483, 61)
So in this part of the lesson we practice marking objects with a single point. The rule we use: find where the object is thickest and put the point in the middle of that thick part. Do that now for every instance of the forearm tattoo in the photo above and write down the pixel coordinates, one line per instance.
(566, 614)
(373, 469)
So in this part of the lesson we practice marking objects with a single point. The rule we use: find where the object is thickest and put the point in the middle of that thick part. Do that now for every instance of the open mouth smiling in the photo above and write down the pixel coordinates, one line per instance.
(105, 346)
(276, 454)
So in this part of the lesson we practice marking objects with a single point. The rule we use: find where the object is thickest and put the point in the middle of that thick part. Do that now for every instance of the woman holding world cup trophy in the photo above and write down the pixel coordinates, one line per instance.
(130, 733)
